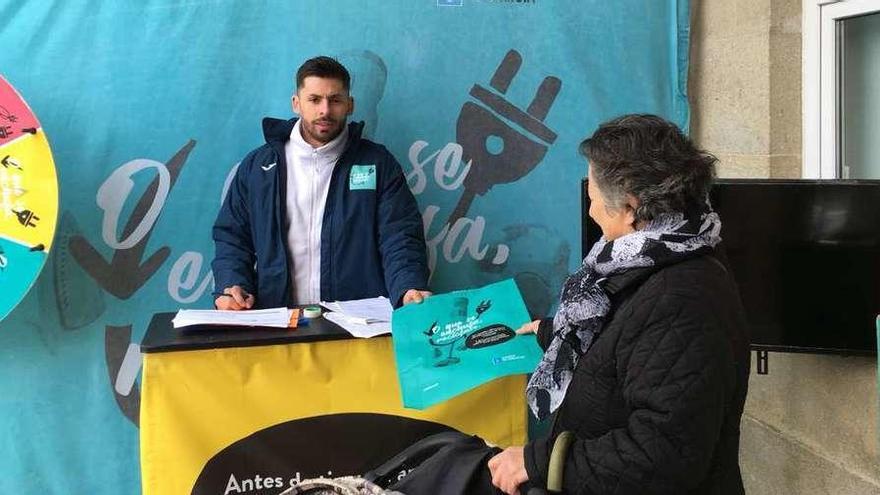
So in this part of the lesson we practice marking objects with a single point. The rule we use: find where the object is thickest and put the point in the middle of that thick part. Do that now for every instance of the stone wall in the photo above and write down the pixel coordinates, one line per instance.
(810, 426)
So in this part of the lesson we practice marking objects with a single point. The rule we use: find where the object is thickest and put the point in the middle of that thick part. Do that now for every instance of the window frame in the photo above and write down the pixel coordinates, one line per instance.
(821, 82)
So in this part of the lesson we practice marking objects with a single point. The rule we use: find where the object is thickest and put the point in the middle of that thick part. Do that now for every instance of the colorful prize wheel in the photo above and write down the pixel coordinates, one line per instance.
(28, 198)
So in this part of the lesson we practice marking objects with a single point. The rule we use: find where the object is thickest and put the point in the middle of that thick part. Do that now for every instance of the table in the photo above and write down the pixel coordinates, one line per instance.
(235, 411)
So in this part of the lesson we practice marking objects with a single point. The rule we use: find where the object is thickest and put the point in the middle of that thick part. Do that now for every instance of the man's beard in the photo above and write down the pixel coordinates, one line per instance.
(311, 129)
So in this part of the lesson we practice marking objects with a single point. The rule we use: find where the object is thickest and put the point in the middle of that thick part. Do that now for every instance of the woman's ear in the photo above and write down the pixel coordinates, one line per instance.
(632, 204)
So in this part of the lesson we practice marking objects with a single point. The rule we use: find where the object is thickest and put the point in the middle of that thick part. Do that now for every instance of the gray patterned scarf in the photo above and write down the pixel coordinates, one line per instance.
(584, 304)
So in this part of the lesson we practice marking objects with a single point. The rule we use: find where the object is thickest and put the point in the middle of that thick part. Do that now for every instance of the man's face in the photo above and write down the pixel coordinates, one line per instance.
(324, 105)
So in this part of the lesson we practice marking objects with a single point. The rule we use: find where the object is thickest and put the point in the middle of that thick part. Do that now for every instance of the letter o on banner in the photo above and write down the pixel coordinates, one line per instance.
(116, 189)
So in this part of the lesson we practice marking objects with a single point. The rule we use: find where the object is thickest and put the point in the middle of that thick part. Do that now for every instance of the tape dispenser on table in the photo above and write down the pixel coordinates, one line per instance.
(312, 312)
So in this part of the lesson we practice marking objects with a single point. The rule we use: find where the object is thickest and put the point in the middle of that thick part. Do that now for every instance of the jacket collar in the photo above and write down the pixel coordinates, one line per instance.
(615, 284)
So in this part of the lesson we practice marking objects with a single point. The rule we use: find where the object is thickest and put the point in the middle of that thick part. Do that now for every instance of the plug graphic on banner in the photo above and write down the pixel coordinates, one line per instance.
(520, 153)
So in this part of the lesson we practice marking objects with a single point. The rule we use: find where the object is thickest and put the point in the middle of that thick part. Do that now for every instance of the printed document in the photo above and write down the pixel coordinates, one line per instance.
(363, 311)
(274, 317)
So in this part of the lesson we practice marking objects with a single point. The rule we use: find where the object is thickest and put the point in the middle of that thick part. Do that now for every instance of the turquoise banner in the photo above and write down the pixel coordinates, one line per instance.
(453, 342)
(148, 107)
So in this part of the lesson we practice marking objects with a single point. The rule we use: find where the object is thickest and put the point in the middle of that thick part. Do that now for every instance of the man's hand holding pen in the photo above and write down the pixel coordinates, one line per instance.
(234, 298)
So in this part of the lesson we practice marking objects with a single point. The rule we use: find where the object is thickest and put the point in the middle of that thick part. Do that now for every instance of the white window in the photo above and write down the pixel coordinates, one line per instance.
(841, 89)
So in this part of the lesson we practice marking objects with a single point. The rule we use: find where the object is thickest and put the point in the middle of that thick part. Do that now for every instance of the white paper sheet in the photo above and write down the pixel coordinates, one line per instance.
(363, 311)
(273, 317)
(359, 329)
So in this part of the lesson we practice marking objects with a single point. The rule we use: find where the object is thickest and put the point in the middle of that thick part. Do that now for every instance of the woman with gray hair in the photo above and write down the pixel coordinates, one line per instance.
(646, 361)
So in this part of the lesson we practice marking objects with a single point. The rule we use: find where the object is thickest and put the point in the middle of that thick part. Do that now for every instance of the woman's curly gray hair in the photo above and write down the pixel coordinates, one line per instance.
(650, 159)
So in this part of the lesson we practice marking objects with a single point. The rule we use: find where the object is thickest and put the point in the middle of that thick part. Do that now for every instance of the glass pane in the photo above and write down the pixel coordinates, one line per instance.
(860, 97)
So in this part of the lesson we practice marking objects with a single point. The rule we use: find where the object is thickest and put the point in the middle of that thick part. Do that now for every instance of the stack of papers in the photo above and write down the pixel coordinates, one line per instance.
(274, 317)
(363, 317)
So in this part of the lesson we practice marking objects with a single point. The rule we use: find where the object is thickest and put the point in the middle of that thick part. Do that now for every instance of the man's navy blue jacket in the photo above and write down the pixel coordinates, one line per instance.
(372, 239)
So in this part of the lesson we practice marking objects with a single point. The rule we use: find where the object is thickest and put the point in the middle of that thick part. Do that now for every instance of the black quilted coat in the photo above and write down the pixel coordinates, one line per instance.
(656, 401)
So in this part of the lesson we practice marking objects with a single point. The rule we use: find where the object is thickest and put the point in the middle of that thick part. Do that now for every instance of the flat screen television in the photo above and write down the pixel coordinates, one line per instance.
(806, 258)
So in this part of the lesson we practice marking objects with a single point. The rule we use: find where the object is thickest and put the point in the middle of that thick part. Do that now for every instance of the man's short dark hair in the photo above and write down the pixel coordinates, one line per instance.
(650, 159)
(323, 67)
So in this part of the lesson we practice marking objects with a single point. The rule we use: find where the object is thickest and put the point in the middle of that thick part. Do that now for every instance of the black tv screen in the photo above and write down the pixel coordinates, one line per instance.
(806, 258)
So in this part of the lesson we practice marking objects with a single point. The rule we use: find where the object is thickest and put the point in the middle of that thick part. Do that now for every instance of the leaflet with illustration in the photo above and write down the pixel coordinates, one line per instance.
(451, 343)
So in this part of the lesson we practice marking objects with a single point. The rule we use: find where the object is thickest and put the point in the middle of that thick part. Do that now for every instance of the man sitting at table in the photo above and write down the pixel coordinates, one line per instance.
(318, 213)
